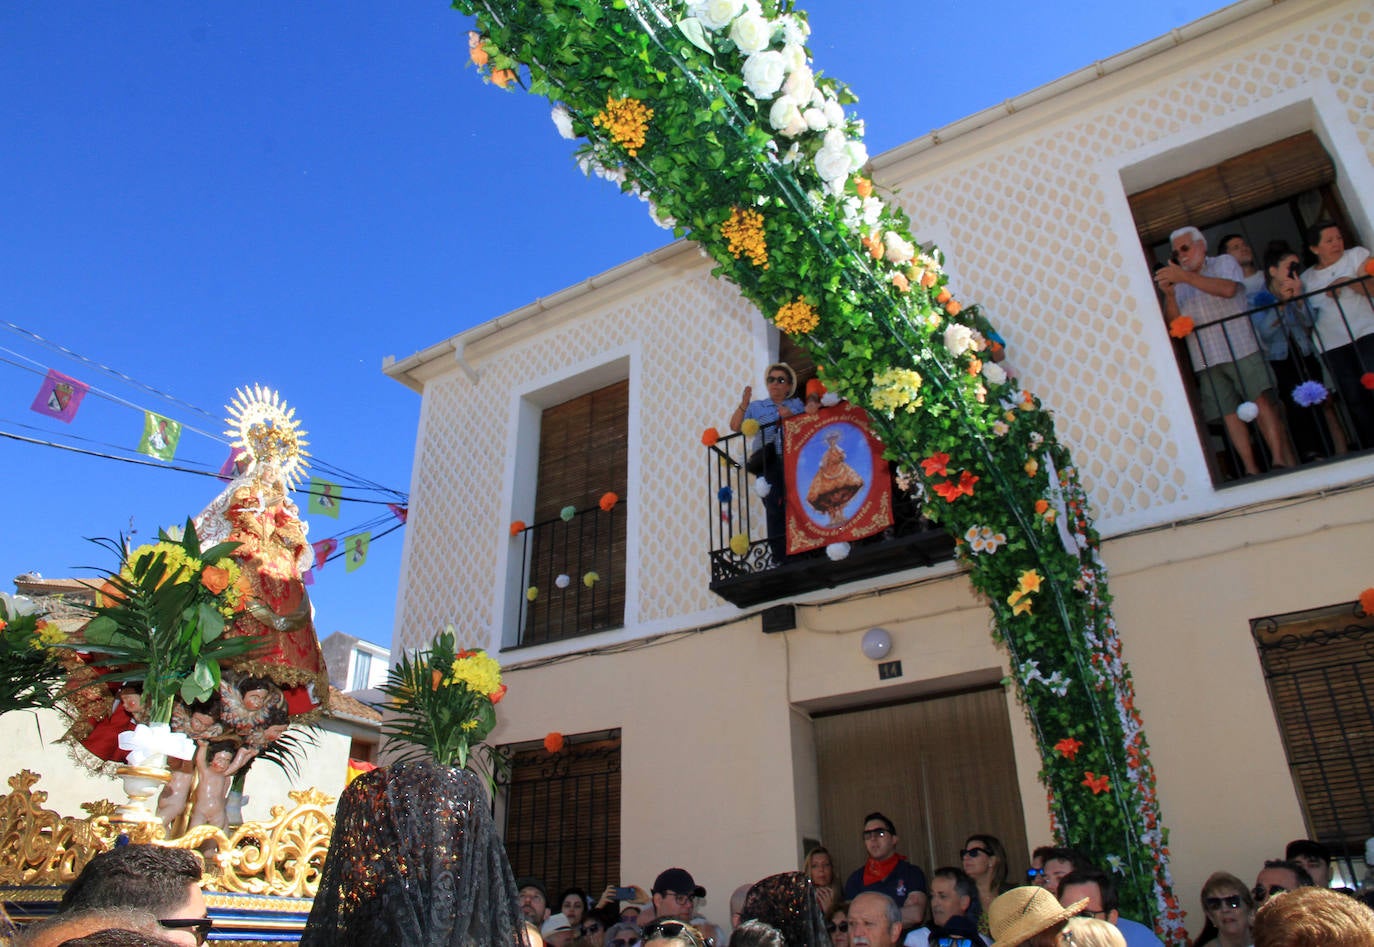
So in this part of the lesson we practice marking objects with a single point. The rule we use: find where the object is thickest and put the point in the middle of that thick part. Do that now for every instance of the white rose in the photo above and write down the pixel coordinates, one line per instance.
(858, 154)
(793, 56)
(872, 210)
(717, 14)
(896, 249)
(834, 113)
(958, 339)
(832, 161)
(792, 153)
(794, 30)
(763, 73)
(562, 120)
(801, 82)
(785, 117)
(751, 33)
(815, 119)
(994, 373)
(849, 207)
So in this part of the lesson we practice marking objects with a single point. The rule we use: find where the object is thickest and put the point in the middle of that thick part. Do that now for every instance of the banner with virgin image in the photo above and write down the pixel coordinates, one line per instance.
(838, 485)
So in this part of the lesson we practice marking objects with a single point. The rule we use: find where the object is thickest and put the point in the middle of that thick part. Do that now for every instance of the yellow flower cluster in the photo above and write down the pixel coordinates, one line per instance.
(897, 388)
(47, 634)
(626, 121)
(797, 317)
(743, 234)
(478, 670)
(180, 567)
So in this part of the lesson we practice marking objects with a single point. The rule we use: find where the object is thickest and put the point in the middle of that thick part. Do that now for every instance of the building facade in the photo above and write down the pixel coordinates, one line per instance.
(724, 721)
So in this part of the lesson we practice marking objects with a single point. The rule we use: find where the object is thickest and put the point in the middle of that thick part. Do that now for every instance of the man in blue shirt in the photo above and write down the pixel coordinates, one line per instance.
(1100, 890)
(888, 872)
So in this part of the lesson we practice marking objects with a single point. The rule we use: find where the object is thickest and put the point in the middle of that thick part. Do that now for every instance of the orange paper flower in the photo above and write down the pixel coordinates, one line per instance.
(873, 243)
(953, 307)
(952, 490)
(215, 579)
(503, 77)
(475, 51)
(1367, 601)
(1181, 327)
(1369, 267)
(943, 296)
(710, 436)
(1041, 506)
(863, 186)
(1068, 747)
(608, 502)
(1098, 784)
(901, 282)
(553, 742)
(517, 527)
(936, 465)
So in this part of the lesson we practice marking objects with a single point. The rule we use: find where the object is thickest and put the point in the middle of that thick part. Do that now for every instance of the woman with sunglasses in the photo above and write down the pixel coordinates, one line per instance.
(985, 861)
(838, 924)
(1230, 910)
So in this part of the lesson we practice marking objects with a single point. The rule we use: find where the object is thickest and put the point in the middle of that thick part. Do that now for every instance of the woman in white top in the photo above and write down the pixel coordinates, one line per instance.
(1344, 328)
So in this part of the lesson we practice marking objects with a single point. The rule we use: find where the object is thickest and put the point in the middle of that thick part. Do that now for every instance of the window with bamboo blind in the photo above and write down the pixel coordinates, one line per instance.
(563, 815)
(582, 457)
(1319, 668)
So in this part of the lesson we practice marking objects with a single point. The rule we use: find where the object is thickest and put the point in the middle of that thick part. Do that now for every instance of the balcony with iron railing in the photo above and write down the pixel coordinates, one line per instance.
(574, 570)
(758, 569)
(1307, 394)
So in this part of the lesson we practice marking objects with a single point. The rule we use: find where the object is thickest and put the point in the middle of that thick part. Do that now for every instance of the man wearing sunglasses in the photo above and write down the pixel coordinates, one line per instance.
(951, 896)
(1103, 901)
(163, 881)
(1278, 876)
(888, 872)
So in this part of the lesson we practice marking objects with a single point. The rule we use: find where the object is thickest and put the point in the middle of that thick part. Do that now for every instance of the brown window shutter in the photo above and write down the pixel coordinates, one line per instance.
(1237, 186)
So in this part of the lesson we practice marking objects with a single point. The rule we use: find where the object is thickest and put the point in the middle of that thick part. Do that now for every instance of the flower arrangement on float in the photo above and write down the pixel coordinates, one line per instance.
(442, 704)
(31, 672)
(711, 112)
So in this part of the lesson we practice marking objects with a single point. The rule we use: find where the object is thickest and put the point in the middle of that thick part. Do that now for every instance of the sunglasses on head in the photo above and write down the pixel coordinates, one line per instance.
(200, 926)
(973, 852)
(1216, 904)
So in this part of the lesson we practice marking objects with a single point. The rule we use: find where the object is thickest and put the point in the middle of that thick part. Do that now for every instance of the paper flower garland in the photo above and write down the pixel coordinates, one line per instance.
(762, 487)
(1309, 393)
(567, 513)
(1247, 411)
(532, 593)
(749, 427)
(562, 581)
(590, 579)
(608, 502)
(837, 551)
(517, 527)
(1181, 327)
(709, 437)
(739, 544)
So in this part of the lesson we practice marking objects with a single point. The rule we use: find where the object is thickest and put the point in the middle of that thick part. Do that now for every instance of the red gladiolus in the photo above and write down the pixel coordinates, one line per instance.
(1098, 784)
(1068, 747)
(936, 465)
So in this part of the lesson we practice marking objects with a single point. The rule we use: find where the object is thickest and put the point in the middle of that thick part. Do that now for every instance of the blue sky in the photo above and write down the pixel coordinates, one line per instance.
(205, 196)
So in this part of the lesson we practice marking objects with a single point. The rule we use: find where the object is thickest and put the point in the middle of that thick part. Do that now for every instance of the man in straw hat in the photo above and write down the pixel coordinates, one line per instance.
(1029, 916)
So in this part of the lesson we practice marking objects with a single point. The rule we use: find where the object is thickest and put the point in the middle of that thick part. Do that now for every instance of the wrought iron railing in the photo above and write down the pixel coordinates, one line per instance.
(1318, 367)
(574, 573)
(756, 568)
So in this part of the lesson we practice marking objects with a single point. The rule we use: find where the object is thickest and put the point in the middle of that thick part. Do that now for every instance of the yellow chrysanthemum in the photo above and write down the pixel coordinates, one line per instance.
(897, 389)
(797, 317)
(479, 671)
(626, 121)
(743, 234)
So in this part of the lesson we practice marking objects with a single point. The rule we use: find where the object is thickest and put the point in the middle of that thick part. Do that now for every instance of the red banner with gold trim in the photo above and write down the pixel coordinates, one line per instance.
(838, 485)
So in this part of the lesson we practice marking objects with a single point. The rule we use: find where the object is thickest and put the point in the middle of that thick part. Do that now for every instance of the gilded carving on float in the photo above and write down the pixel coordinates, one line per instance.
(280, 857)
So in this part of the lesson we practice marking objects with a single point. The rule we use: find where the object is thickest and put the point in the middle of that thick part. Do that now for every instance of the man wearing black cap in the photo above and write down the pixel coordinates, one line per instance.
(675, 894)
(1314, 856)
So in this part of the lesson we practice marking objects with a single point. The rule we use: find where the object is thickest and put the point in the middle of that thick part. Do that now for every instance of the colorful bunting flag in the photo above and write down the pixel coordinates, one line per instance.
(308, 577)
(355, 550)
(160, 436)
(323, 550)
(398, 510)
(235, 465)
(59, 396)
(324, 497)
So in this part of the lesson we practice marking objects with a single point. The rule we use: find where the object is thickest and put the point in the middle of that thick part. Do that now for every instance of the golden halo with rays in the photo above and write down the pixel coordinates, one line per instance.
(262, 425)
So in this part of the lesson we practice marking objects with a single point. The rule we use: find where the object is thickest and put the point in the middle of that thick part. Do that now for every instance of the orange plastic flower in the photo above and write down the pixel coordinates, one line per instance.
(1181, 327)
(901, 282)
(1367, 601)
(815, 387)
(553, 742)
(608, 502)
(496, 695)
(936, 465)
(517, 527)
(873, 243)
(974, 366)
(435, 679)
(503, 77)
(1369, 267)
(929, 279)
(943, 296)
(1030, 581)
(475, 51)
(1041, 506)
(108, 594)
(1098, 784)
(1068, 747)
(215, 579)
(953, 307)
(863, 187)
(952, 490)
(710, 436)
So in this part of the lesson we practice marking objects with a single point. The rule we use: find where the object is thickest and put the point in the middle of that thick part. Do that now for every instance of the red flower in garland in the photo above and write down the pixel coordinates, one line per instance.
(1181, 327)
(608, 502)
(1367, 379)
(496, 695)
(1367, 601)
(952, 490)
(1098, 784)
(1068, 747)
(553, 742)
(709, 437)
(936, 465)
(517, 527)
